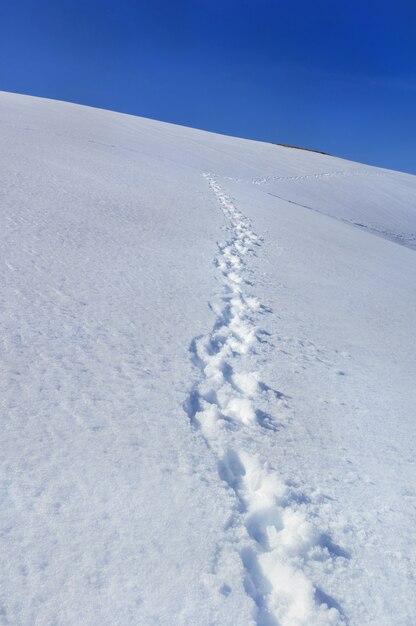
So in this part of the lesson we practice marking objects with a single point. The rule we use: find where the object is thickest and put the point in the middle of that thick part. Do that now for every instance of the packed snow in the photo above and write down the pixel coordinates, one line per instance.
(207, 378)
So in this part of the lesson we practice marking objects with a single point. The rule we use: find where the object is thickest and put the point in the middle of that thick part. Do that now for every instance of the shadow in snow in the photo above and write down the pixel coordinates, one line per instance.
(323, 598)
(266, 421)
(257, 587)
(278, 394)
(333, 548)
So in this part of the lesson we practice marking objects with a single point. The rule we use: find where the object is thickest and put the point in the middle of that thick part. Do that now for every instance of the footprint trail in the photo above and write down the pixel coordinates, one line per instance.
(272, 528)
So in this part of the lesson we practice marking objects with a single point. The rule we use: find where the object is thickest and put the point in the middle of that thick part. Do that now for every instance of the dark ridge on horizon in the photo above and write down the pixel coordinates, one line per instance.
(286, 145)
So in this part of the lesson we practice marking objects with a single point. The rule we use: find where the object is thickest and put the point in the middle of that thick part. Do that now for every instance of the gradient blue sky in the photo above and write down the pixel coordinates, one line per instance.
(335, 76)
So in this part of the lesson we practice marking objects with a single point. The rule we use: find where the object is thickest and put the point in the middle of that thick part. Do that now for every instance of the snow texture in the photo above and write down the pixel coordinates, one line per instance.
(207, 378)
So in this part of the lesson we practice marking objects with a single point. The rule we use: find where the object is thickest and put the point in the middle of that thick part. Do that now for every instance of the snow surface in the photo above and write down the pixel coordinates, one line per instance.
(207, 378)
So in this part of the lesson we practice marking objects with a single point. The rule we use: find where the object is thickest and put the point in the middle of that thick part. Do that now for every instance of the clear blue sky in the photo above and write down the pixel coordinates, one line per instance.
(336, 76)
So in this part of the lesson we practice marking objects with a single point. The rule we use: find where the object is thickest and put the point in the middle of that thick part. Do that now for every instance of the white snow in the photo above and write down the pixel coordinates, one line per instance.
(207, 378)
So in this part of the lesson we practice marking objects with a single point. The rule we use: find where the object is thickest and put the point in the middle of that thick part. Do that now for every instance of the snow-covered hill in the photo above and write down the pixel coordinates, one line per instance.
(207, 378)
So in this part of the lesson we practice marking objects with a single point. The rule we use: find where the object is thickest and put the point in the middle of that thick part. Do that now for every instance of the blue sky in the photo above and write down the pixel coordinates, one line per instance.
(335, 76)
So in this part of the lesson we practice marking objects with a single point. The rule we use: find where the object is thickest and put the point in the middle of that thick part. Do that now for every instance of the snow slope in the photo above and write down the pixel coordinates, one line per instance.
(207, 378)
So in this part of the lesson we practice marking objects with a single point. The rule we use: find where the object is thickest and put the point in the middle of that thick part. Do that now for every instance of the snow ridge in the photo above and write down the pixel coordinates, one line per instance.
(272, 528)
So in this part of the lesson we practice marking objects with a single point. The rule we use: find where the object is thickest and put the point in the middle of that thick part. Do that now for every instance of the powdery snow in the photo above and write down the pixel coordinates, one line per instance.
(207, 371)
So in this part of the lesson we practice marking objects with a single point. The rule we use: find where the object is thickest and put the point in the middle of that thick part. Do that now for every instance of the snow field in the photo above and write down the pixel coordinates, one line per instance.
(284, 494)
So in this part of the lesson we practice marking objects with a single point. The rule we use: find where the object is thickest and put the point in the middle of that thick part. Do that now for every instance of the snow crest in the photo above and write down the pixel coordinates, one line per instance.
(272, 530)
